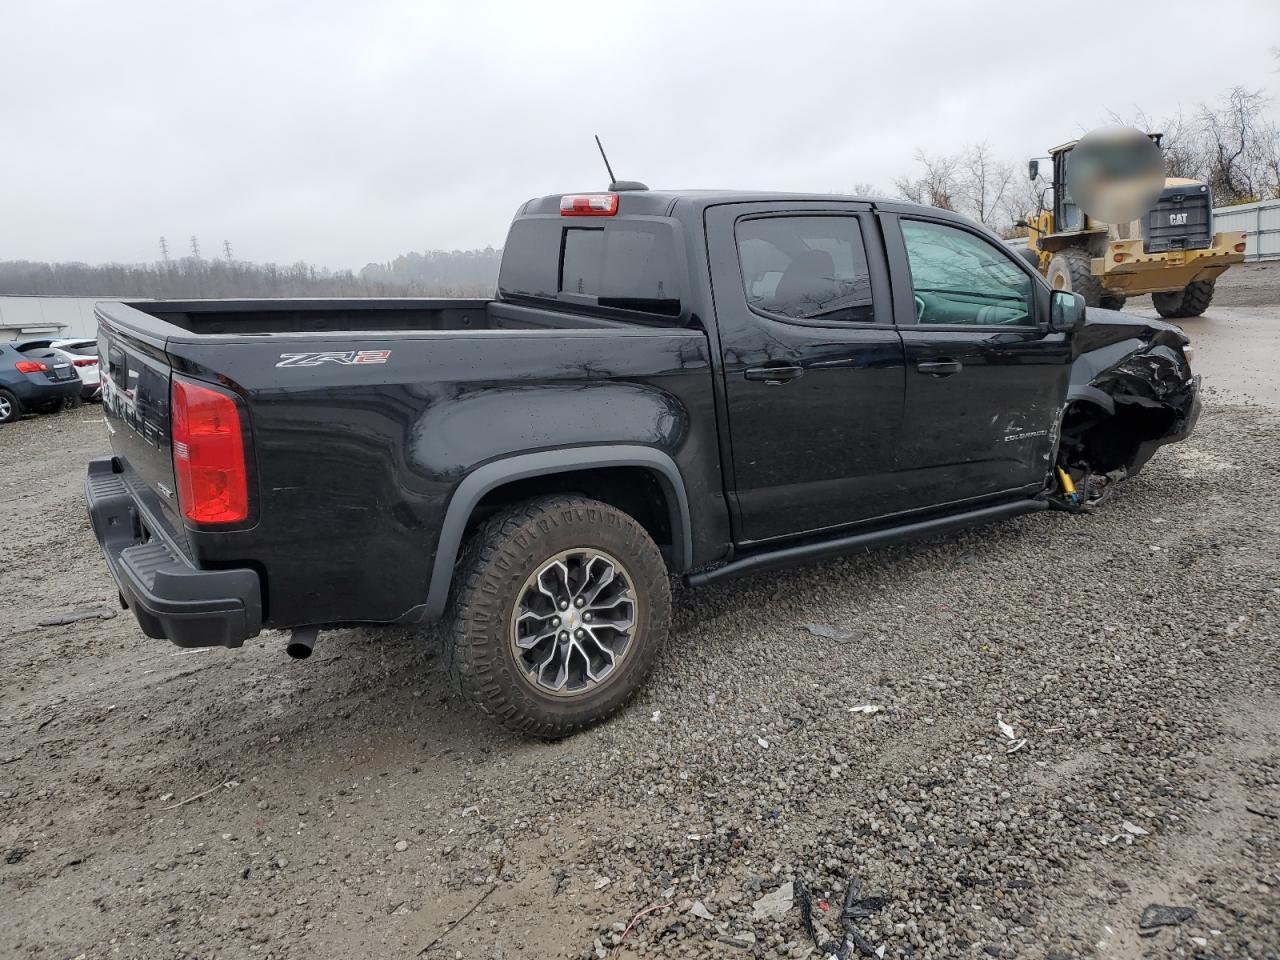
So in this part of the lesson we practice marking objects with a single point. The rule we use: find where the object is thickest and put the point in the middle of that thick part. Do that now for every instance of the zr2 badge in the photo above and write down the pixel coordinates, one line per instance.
(344, 358)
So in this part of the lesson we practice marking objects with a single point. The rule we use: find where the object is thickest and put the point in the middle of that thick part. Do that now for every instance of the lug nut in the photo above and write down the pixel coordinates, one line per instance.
(564, 604)
(564, 635)
(555, 621)
(580, 633)
(587, 616)
(580, 602)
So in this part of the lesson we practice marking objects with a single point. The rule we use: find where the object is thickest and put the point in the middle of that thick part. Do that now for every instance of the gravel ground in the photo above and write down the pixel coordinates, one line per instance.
(349, 806)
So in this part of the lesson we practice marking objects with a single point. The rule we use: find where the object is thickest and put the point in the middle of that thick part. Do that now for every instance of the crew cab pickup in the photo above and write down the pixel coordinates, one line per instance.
(697, 384)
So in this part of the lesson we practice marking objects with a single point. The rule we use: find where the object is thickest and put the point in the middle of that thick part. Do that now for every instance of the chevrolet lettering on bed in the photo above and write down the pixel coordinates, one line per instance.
(666, 383)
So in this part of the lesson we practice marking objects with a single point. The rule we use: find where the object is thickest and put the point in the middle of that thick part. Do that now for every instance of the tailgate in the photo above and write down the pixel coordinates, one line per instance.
(135, 401)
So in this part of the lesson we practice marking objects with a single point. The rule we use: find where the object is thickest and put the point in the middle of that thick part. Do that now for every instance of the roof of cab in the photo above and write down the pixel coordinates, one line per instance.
(658, 203)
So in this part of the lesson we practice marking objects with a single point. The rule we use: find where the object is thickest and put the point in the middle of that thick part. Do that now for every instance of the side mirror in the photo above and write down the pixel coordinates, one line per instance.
(1066, 311)
(1033, 169)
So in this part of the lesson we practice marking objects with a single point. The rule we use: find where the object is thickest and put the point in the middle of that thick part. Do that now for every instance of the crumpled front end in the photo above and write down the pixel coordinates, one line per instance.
(1132, 392)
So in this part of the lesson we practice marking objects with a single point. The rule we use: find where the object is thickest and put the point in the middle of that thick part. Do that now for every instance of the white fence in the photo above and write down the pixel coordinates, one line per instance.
(1260, 223)
(26, 318)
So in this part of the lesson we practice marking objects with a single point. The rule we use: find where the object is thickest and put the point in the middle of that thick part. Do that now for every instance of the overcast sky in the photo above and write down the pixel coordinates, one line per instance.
(345, 132)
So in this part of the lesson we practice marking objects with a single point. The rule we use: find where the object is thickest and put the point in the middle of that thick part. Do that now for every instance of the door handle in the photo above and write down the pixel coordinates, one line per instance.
(940, 368)
(782, 374)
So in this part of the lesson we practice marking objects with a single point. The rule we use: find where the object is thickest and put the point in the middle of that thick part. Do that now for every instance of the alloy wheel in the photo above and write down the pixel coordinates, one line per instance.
(573, 622)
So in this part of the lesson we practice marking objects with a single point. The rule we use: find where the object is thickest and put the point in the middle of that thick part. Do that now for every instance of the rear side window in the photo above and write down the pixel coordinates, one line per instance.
(806, 268)
(624, 265)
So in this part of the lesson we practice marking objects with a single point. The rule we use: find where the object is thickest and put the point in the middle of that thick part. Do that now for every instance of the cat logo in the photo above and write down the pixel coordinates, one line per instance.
(1177, 219)
(344, 358)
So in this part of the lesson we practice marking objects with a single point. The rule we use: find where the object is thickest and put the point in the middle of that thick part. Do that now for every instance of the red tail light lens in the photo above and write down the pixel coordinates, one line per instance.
(208, 454)
(86, 362)
(589, 205)
(31, 366)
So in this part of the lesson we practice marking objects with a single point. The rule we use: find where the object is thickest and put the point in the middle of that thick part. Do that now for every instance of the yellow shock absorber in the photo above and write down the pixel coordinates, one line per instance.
(1068, 487)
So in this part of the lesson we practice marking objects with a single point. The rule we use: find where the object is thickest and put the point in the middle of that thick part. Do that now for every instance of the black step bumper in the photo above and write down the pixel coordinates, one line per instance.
(172, 598)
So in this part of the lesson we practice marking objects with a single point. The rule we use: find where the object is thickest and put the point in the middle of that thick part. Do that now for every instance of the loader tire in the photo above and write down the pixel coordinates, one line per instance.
(561, 606)
(1072, 269)
(1191, 301)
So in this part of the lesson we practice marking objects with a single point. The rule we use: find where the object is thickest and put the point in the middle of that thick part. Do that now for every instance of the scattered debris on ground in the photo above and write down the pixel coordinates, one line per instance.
(1117, 663)
(75, 616)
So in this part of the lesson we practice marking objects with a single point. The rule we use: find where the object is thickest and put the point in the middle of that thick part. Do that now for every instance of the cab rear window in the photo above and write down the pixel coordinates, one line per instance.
(624, 264)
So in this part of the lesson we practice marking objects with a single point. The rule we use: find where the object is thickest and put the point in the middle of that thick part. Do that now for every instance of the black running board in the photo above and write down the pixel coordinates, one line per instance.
(790, 556)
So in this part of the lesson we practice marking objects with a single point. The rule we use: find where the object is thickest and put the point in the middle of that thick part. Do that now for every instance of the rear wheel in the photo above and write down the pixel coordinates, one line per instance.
(1191, 301)
(10, 407)
(1072, 270)
(561, 607)
(1113, 301)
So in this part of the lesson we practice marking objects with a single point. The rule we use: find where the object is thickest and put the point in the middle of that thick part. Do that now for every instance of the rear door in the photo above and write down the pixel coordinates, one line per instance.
(813, 366)
(985, 379)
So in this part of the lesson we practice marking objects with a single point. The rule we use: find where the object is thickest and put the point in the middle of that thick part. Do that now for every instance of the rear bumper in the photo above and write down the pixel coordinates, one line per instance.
(38, 389)
(1140, 272)
(171, 598)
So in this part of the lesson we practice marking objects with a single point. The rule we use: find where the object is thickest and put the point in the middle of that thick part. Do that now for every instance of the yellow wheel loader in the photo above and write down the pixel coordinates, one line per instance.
(1171, 252)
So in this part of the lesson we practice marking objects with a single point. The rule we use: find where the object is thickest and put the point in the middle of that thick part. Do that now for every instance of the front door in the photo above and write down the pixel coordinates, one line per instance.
(986, 380)
(813, 365)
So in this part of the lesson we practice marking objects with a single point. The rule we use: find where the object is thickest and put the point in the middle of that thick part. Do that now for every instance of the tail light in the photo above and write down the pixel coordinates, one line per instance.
(86, 362)
(589, 205)
(31, 366)
(208, 453)
(1239, 248)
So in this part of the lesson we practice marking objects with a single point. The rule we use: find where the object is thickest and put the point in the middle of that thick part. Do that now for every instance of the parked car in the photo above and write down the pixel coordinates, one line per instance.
(81, 354)
(702, 384)
(32, 383)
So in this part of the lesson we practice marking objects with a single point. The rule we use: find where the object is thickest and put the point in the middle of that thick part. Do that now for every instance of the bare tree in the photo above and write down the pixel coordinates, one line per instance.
(1235, 132)
(938, 186)
(982, 183)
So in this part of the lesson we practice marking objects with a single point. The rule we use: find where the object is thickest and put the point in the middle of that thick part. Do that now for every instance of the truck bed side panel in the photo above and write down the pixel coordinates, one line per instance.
(356, 462)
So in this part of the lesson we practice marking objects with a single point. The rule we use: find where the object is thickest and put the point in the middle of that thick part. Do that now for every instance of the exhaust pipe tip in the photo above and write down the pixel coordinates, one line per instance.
(301, 642)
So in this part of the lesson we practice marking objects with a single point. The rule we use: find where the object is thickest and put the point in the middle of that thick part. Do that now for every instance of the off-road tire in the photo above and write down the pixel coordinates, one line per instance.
(495, 563)
(1072, 269)
(1191, 301)
(11, 408)
(1113, 301)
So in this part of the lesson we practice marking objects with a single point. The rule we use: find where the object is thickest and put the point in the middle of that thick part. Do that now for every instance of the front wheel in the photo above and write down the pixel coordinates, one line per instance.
(1191, 301)
(561, 606)
(1072, 270)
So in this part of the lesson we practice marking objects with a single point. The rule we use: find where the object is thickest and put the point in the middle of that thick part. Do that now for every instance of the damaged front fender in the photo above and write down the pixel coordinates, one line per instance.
(1131, 392)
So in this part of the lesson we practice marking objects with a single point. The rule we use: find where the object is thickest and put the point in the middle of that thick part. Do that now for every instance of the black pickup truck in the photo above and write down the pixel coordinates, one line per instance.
(697, 384)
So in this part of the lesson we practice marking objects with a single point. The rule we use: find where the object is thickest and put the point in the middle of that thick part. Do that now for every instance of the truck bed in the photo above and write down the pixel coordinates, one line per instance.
(363, 417)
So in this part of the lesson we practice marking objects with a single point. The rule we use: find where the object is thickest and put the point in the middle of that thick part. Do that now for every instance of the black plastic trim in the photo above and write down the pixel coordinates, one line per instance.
(497, 472)
(804, 553)
(171, 598)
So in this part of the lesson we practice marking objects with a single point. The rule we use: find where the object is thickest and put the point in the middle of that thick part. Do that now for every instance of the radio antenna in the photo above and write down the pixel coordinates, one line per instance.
(612, 178)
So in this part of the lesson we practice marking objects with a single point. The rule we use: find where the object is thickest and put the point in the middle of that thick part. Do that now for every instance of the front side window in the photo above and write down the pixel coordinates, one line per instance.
(959, 278)
(806, 268)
